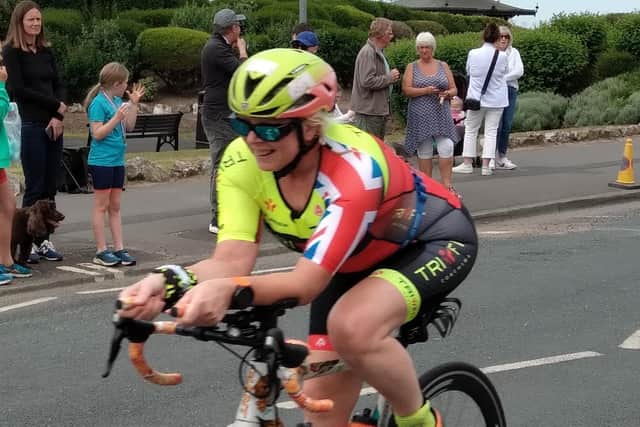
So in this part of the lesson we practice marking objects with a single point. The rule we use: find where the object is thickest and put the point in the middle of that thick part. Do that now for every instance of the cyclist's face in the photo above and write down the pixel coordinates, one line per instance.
(274, 143)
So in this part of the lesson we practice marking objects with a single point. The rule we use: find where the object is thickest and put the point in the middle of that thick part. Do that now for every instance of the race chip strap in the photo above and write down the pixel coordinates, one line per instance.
(177, 281)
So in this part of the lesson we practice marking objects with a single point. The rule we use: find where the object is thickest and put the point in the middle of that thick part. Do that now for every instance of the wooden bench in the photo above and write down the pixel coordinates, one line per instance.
(165, 127)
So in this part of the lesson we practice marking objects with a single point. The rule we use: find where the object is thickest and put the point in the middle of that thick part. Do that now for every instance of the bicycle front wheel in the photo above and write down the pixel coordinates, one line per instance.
(463, 395)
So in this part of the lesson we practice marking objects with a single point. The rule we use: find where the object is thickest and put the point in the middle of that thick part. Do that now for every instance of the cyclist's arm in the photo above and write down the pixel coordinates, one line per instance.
(229, 258)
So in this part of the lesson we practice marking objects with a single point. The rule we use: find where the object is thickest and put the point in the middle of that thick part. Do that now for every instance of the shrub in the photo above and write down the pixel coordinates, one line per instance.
(613, 62)
(150, 89)
(552, 59)
(454, 48)
(97, 46)
(63, 21)
(590, 29)
(285, 15)
(626, 34)
(339, 47)
(6, 7)
(401, 30)
(433, 27)
(346, 16)
(173, 53)
(194, 16)
(539, 111)
(130, 29)
(609, 101)
(151, 17)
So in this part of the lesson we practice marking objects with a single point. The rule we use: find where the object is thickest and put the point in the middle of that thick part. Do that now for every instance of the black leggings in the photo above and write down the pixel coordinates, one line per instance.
(436, 264)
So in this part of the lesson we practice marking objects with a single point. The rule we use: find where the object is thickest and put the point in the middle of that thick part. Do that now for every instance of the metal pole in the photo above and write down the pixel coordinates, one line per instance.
(303, 10)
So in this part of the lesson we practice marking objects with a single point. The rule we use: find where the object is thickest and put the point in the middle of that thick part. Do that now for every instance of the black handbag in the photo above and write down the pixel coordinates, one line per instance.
(474, 104)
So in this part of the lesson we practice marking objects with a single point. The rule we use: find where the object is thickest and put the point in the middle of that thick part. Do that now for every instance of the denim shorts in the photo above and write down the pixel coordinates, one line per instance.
(107, 177)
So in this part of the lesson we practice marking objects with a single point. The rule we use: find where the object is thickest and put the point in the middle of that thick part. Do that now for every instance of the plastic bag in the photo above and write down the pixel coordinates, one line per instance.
(13, 126)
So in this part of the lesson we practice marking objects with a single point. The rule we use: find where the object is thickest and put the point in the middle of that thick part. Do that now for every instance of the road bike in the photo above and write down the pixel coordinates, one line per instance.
(461, 392)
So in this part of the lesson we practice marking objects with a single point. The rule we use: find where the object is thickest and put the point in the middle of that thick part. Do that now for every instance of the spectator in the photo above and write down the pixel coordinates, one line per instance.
(109, 121)
(429, 85)
(338, 115)
(373, 80)
(515, 70)
(218, 64)
(8, 269)
(298, 28)
(36, 87)
(306, 40)
(457, 114)
(492, 102)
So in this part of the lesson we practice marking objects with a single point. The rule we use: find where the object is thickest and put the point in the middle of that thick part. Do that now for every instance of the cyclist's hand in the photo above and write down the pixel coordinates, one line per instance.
(144, 299)
(205, 304)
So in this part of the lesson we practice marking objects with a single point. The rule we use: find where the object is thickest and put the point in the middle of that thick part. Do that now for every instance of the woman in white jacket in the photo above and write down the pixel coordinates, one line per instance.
(492, 102)
(515, 70)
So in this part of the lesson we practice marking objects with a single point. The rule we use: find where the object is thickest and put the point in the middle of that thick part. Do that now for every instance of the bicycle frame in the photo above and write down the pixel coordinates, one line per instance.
(276, 364)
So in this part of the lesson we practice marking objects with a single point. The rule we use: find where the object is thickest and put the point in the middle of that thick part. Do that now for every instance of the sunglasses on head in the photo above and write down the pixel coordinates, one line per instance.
(266, 132)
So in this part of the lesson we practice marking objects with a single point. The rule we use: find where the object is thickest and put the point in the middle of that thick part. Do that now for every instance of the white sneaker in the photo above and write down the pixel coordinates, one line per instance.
(213, 229)
(486, 171)
(492, 164)
(505, 163)
(463, 168)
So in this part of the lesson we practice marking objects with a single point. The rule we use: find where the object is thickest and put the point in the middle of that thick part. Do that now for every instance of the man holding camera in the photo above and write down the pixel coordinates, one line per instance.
(218, 65)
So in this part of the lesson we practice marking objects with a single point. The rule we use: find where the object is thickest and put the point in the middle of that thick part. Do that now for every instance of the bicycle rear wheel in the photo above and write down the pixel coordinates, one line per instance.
(463, 395)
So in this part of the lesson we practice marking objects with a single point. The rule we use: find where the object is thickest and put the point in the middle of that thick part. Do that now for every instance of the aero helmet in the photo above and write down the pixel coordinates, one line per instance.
(281, 84)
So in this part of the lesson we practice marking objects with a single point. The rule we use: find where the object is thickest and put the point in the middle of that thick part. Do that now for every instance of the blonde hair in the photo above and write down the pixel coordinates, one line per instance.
(16, 36)
(112, 73)
(378, 27)
(506, 30)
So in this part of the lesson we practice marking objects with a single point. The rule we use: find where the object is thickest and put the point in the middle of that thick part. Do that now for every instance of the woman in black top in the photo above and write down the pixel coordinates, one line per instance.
(34, 84)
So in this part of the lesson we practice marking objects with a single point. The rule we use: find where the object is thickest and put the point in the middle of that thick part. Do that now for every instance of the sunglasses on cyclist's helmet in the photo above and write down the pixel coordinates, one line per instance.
(266, 132)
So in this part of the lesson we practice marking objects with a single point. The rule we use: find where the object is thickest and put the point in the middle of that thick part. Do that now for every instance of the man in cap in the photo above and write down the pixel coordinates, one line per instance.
(306, 40)
(218, 64)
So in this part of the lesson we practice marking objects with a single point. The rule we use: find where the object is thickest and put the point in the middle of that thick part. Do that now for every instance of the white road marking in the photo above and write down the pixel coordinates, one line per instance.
(496, 232)
(26, 304)
(118, 274)
(79, 270)
(633, 342)
(539, 362)
(492, 369)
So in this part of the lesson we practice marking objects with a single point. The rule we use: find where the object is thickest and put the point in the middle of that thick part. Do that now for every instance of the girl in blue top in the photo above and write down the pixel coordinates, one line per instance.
(109, 120)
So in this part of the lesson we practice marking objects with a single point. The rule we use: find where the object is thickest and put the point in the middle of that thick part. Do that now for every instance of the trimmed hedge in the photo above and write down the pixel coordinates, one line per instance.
(173, 53)
(612, 101)
(151, 17)
(63, 21)
(539, 111)
(401, 30)
(346, 16)
(195, 17)
(433, 27)
(552, 59)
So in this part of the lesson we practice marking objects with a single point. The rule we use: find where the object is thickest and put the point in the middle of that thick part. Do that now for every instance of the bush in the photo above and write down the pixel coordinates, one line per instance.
(63, 21)
(339, 47)
(97, 46)
(433, 27)
(346, 16)
(626, 34)
(150, 89)
(590, 29)
(454, 48)
(6, 7)
(130, 29)
(285, 15)
(610, 101)
(539, 111)
(173, 53)
(613, 62)
(195, 17)
(401, 30)
(552, 59)
(151, 17)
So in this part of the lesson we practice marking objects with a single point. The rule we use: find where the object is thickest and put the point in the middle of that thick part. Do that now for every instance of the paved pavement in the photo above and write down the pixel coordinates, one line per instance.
(167, 222)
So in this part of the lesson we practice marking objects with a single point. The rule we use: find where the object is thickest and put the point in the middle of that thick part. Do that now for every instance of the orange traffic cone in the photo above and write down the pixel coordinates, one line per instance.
(625, 174)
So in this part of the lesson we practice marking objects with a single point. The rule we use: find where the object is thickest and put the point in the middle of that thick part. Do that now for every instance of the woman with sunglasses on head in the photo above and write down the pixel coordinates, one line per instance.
(344, 200)
(515, 70)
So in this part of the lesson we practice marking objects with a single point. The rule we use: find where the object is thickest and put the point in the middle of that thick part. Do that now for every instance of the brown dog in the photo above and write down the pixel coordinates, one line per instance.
(38, 220)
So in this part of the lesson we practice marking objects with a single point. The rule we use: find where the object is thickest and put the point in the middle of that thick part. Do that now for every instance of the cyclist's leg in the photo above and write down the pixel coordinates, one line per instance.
(343, 388)
(362, 332)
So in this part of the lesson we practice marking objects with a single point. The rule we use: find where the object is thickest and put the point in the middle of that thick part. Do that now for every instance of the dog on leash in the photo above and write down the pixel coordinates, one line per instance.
(37, 220)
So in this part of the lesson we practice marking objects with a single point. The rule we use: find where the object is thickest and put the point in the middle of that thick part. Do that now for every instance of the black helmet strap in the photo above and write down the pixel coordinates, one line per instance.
(304, 149)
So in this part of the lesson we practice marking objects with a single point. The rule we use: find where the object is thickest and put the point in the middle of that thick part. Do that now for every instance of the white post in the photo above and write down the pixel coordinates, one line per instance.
(302, 10)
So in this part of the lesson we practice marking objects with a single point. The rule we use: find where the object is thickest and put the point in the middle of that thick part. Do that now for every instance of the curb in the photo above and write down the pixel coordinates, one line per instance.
(277, 249)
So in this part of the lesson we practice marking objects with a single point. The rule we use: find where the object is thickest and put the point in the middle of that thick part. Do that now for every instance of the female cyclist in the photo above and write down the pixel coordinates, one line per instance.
(378, 238)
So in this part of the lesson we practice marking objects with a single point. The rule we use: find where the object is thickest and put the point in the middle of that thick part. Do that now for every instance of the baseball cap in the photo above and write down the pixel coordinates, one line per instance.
(225, 18)
(308, 38)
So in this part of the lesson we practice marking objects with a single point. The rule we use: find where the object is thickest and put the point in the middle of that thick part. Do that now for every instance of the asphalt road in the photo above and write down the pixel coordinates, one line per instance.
(546, 309)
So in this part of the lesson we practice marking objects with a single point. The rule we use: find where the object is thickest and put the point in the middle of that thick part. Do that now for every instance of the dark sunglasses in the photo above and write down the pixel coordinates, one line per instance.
(266, 132)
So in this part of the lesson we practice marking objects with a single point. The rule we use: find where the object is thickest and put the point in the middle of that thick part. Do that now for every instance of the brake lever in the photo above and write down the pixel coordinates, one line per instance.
(125, 328)
(116, 341)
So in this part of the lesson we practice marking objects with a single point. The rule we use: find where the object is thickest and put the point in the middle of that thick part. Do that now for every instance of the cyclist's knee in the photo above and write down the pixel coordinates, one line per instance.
(347, 332)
